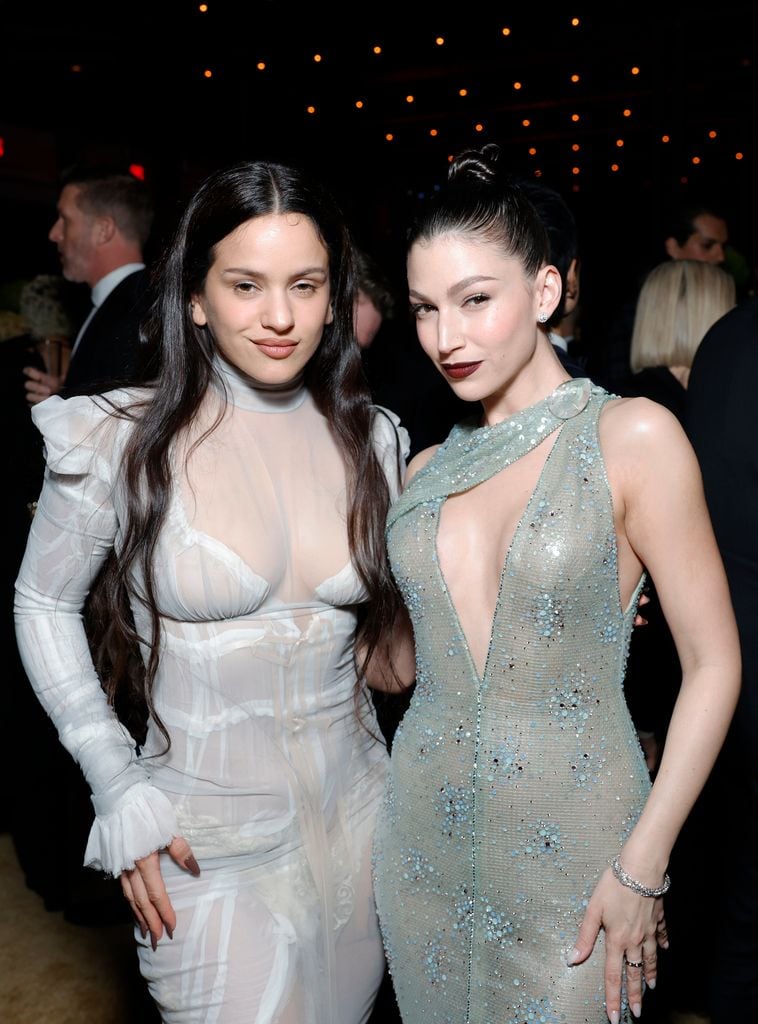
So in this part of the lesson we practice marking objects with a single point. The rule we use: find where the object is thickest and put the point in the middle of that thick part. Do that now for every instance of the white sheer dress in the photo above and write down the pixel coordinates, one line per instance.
(272, 775)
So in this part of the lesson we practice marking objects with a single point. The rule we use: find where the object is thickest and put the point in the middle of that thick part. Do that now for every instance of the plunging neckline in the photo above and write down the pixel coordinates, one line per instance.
(481, 676)
(525, 431)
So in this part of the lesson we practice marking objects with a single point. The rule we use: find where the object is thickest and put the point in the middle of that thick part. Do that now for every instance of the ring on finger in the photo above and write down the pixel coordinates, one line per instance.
(634, 963)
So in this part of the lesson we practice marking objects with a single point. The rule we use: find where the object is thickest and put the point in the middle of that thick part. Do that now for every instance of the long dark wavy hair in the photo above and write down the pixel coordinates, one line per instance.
(184, 371)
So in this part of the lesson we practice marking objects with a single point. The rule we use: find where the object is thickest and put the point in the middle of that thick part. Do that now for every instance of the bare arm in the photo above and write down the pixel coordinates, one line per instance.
(668, 527)
(663, 523)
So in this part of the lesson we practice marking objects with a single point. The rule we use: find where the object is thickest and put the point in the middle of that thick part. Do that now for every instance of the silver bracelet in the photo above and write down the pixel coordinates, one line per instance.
(634, 885)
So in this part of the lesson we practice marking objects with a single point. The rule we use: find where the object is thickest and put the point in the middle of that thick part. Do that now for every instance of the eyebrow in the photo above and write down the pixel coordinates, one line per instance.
(319, 271)
(460, 286)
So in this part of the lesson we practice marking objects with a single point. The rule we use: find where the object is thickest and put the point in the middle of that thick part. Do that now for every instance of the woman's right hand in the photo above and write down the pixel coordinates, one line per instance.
(145, 890)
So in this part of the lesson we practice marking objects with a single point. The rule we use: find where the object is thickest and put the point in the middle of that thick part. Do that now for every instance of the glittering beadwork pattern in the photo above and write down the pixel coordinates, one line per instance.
(508, 795)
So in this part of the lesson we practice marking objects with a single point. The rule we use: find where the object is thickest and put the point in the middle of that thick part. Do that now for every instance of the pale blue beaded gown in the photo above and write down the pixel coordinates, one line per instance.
(508, 795)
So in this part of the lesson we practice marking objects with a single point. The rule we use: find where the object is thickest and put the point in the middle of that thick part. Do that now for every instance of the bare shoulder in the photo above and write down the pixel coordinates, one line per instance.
(419, 461)
(642, 439)
(626, 422)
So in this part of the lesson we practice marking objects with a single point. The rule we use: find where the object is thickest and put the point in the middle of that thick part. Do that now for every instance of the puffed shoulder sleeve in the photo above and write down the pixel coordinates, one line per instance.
(392, 445)
(72, 532)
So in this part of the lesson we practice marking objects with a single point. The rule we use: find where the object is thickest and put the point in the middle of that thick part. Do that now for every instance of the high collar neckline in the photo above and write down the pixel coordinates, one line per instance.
(252, 395)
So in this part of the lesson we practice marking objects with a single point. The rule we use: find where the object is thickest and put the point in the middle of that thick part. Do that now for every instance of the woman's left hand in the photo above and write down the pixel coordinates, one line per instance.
(634, 928)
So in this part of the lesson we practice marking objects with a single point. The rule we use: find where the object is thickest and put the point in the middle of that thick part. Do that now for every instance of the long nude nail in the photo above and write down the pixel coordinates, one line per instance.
(575, 954)
(192, 865)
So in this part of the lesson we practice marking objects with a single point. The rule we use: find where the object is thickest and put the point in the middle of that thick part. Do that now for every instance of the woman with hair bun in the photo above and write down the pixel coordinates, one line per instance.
(521, 854)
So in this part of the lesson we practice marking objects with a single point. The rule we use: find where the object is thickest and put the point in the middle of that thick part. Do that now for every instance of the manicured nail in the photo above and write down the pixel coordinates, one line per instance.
(143, 931)
(575, 954)
(614, 1017)
(169, 932)
(637, 1009)
(192, 865)
(153, 942)
(651, 983)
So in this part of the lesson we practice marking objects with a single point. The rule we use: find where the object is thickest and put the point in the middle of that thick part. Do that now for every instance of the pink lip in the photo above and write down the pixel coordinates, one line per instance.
(460, 370)
(276, 349)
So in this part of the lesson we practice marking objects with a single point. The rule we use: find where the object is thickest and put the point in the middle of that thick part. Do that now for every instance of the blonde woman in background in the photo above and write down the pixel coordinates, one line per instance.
(678, 303)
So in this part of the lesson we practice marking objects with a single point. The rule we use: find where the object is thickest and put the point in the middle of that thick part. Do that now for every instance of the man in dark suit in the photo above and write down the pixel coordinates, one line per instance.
(103, 224)
(720, 406)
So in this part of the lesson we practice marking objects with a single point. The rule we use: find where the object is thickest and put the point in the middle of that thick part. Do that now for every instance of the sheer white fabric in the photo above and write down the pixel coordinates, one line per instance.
(271, 776)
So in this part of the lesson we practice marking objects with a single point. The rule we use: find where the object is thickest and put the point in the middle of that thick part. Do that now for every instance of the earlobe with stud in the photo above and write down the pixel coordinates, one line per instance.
(542, 317)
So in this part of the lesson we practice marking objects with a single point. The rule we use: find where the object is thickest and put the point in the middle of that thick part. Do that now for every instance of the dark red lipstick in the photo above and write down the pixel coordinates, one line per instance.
(457, 371)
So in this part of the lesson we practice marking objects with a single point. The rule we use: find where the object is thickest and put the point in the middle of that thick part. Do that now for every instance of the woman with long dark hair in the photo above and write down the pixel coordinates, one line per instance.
(521, 854)
(233, 513)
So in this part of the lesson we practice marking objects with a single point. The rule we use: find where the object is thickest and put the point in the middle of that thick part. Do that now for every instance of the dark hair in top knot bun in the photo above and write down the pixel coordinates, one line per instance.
(481, 199)
(476, 165)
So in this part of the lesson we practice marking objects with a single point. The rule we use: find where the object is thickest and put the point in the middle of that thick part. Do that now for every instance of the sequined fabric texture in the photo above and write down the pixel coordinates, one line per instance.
(508, 795)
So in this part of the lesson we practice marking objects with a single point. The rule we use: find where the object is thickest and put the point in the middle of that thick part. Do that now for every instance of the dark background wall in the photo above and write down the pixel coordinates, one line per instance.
(128, 82)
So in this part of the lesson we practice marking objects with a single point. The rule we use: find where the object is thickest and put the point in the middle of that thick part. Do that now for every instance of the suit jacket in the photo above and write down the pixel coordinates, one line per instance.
(110, 351)
(720, 421)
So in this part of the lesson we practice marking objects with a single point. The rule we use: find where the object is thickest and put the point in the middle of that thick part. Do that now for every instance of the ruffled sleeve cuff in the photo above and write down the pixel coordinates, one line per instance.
(142, 821)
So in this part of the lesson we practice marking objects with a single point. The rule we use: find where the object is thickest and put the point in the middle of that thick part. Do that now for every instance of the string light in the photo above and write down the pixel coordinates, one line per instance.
(526, 122)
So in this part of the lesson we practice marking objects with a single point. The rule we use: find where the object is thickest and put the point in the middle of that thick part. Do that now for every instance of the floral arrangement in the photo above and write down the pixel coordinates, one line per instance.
(41, 311)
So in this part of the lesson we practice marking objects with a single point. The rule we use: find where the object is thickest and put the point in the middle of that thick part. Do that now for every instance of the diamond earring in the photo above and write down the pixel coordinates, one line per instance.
(542, 318)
